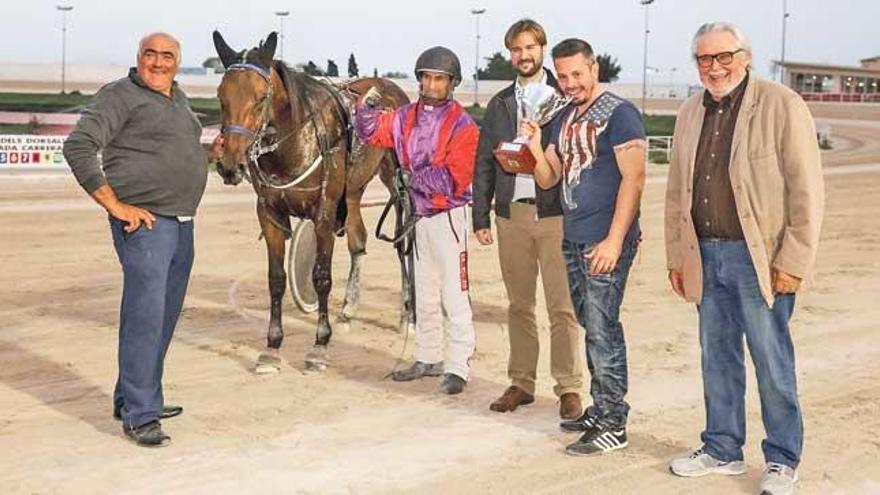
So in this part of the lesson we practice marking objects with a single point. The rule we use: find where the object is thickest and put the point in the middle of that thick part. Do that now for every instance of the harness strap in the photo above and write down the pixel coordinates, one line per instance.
(237, 129)
(266, 73)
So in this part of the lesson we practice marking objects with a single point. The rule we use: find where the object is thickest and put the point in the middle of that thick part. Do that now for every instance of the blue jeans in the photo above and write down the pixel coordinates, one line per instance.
(732, 306)
(596, 300)
(156, 265)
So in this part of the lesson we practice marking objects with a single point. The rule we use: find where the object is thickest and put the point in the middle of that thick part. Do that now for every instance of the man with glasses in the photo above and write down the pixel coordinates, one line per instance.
(744, 206)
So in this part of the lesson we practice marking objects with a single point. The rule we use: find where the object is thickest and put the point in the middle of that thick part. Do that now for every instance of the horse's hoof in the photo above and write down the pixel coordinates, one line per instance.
(348, 311)
(317, 359)
(268, 363)
(343, 326)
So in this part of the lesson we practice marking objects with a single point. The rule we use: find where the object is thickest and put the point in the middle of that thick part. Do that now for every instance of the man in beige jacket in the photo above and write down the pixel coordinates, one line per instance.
(744, 206)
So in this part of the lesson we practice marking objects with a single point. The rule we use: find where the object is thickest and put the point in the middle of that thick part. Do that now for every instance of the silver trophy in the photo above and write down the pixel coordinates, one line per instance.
(539, 103)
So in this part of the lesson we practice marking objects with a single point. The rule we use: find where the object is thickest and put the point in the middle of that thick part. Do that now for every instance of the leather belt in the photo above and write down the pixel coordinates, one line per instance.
(527, 201)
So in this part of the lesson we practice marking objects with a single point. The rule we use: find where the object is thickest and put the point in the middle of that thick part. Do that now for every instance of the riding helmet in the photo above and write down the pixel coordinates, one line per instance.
(439, 59)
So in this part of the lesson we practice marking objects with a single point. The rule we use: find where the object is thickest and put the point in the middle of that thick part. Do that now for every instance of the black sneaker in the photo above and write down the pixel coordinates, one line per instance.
(167, 412)
(582, 424)
(148, 435)
(599, 440)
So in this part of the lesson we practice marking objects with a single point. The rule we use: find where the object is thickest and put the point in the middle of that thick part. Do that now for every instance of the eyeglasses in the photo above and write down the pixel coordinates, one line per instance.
(723, 58)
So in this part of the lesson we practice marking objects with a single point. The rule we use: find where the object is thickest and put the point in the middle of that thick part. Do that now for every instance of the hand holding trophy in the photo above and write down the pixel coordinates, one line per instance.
(539, 103)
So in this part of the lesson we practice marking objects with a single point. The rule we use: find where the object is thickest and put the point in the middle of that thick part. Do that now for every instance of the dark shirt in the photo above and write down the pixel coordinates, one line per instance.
(149, 146)
(492, 181)
(714, 208)
(591, 176)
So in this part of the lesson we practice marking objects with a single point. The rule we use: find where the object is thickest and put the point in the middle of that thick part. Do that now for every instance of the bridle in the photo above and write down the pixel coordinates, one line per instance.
(264, 104)
(255, 149)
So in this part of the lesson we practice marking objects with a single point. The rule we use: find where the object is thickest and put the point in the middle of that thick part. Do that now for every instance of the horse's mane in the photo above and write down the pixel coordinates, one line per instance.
(307, 94)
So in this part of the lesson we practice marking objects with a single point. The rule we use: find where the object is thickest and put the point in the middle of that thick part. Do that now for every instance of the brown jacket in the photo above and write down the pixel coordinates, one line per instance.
(776, 174)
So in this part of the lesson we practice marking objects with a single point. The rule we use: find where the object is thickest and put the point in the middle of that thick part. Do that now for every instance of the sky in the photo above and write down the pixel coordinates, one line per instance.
(389, 34)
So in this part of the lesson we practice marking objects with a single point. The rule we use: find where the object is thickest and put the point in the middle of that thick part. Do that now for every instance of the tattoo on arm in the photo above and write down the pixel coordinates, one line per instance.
(632, 144)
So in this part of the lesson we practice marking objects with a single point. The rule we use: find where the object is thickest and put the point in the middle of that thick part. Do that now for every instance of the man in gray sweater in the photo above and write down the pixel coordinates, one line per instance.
(150, 178)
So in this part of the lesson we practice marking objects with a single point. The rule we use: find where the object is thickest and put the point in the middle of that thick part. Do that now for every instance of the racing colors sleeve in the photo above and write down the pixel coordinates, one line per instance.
(375, 126)
(459, 156)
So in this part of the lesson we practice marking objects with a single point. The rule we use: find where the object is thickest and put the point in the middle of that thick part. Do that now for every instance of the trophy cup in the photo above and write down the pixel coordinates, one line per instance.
(539, 103)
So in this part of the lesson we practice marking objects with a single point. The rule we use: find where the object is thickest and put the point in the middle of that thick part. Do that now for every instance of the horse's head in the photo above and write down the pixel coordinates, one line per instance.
(245, 95)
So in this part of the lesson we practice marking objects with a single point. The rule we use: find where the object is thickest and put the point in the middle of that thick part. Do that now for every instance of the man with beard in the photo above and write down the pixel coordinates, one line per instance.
(150, 180)
(529, 222)
(435, 141)
(744, 207)
(597, 152)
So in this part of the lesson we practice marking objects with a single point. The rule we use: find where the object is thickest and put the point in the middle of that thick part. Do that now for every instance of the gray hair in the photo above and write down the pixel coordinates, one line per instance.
(711, 27)
(159, 34)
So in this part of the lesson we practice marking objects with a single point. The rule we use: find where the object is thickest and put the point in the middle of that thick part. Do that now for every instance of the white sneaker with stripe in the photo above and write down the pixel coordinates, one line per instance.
(699, 463)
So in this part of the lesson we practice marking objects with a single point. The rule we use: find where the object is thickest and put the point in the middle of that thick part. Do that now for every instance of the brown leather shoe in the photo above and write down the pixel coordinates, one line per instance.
(512, 398)
(570, 406)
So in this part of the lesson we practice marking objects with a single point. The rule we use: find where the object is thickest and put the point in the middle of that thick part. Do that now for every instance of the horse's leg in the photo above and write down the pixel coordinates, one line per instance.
(270, 361)
(387, 172)
(325, 223)
(356, 233)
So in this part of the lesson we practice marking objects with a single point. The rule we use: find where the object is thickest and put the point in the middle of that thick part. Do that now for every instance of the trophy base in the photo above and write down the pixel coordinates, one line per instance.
(515, 158)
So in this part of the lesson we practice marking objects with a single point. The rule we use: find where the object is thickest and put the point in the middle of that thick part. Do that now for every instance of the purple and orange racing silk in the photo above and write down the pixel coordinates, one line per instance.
(436, 144)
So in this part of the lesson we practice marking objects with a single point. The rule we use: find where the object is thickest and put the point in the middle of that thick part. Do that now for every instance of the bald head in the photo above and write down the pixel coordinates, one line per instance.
(158, 60)
(164, 38)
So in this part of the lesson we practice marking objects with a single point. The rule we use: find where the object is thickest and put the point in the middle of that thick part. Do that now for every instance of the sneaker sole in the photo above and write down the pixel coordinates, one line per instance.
(598, 452)
(723, 472)
(150, 445)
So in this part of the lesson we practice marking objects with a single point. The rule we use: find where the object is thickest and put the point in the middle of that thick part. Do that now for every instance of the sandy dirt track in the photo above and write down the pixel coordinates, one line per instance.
(348, 430)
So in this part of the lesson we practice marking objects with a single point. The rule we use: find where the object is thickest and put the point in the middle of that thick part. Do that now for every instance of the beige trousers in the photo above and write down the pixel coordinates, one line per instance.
(528, 245)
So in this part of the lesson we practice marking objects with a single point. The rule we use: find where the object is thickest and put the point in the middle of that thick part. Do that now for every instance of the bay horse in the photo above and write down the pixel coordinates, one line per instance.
(291, 136)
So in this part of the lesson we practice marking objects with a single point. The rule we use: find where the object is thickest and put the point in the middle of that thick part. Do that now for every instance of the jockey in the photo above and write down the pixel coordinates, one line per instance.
(435, 141)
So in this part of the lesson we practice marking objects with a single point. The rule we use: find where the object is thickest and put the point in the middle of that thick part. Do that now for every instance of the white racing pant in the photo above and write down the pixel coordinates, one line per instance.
(443, 307)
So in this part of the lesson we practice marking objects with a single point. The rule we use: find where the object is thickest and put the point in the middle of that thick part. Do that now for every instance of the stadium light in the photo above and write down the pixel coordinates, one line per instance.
(646, 3)
(64, 9)
(785, 15)
(477, 13)
(281, 15)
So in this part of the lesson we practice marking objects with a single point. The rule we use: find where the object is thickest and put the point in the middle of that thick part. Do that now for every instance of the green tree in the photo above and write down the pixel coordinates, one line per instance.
(309, 68)
(352, 66)
(213, 64)
(498, 68)
(609, 69)
(332, 69)
(393, 74)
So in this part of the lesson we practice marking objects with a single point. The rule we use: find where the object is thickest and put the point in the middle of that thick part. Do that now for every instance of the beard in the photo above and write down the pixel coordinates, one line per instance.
(535, 67)
(582, 96)
(719, 91)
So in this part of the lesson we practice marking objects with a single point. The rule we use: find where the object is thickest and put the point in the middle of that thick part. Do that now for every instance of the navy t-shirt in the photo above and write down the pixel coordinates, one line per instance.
(591, 178)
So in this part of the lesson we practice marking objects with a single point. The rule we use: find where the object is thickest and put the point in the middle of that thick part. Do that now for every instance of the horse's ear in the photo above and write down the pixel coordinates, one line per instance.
(227, 54)
(267, 49)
